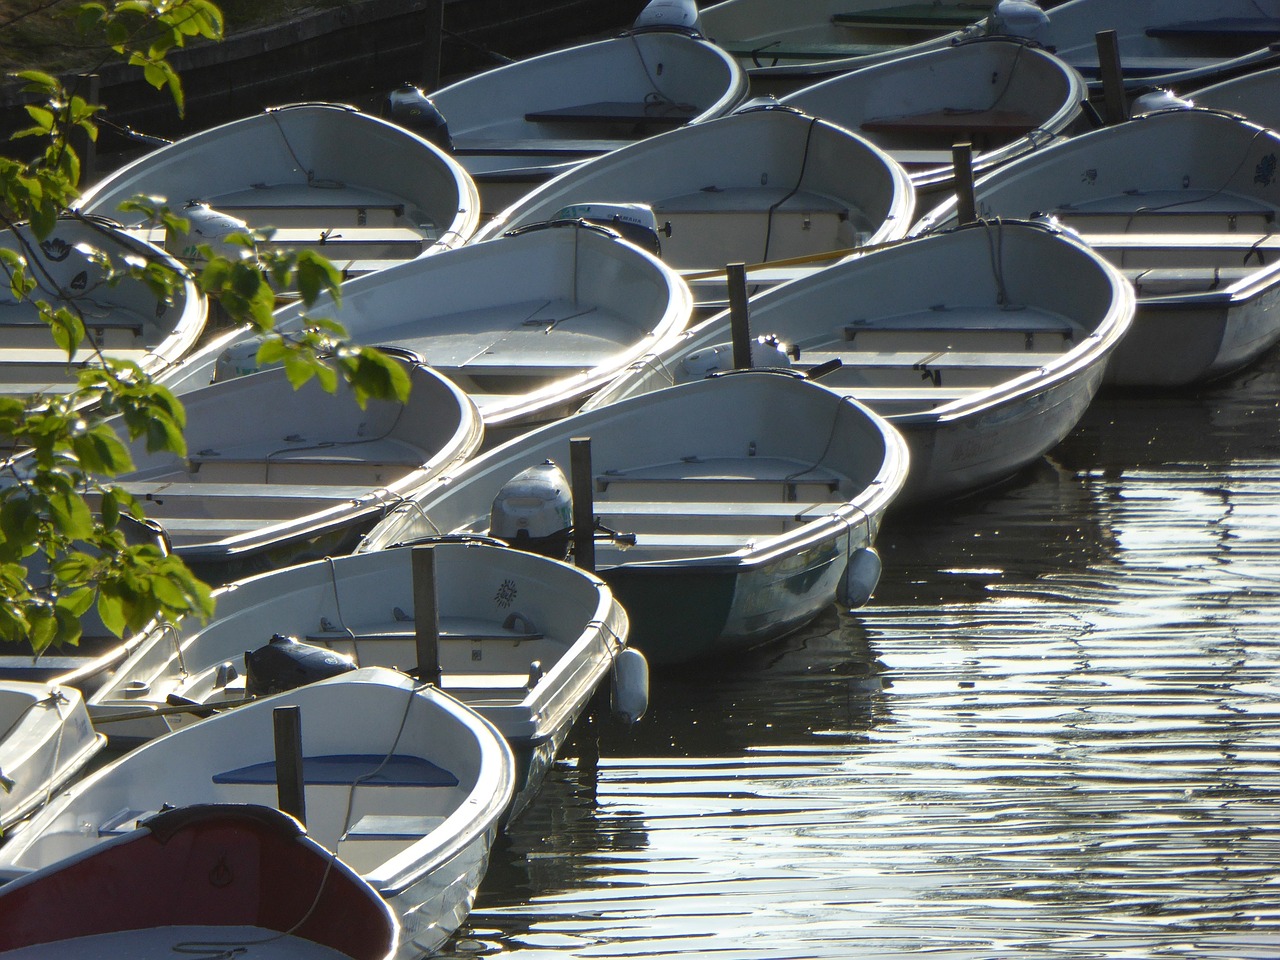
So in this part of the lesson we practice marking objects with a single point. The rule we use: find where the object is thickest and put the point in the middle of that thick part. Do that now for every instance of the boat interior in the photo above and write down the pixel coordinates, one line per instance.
(856, 29)
(1177, 242)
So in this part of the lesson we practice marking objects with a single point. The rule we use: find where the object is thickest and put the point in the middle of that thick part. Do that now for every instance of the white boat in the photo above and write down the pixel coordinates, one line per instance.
(1184, 203)
(802, 40)
(399, 781)
(756, 186)
(1254, 95)
(516, 125)
(46, 739)
(274, 475)
(983, 345)
(523, 640)
(245, 878)
(360, 190)
(1163, 42)
(528, 325)
(1003, 96)
(123, 319)
(738, 508)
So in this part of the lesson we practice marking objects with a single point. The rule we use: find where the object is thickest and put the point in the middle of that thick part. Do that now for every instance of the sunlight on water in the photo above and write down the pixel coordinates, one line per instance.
(1055, 732)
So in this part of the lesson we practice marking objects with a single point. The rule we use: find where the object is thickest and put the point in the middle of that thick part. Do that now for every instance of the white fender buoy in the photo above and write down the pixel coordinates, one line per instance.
(629, 689)
(860, 577)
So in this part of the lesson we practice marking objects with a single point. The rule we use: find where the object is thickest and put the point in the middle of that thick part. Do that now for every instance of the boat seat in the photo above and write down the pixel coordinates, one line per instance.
(927, 395)
(392, 826)
(1026, 324)
(799, 50)
(157, 490)
(1140, 67)
(932, 360)
(470, 629)
(928, 17)
(182, 527)
(533, 146)
(715, 477)
(125, 821)
(1217, 241)
(114, 320)
(398, 770)
(31, 357)
(765, 510)
(658, 113)
(698, 543)
(386, 452)
(1159, 281)
(952, 121)
(1260, 30)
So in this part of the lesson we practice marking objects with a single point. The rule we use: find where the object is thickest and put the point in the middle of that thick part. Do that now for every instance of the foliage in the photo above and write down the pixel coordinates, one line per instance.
(68, 540)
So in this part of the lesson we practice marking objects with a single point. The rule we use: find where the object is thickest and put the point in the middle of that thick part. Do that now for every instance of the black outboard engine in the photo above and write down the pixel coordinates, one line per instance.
(534, 512)
(286, 663)
(412, 109)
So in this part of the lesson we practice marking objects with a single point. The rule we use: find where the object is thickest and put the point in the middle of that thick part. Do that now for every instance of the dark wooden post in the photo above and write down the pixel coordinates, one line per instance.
(291, 794)
(89, 86)
(962, 163)
(584, 505)
(739, 315)
(1112, 74)
(432, 40)
(426, 614)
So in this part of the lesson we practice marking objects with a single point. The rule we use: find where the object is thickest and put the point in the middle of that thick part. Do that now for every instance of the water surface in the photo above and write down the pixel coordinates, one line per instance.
(1055, 732)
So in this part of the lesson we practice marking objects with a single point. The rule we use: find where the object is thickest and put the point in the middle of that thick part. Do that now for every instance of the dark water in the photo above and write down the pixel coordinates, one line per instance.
(1055, 732)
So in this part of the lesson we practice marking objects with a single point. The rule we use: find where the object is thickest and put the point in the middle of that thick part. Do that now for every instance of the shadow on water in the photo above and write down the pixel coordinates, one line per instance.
(1055, 732)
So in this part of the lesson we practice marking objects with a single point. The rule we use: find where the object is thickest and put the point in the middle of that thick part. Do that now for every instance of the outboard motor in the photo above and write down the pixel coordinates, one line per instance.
(766, 352)
(534, 512)
(1019, 18)
(207, 225)
(237, 360)
(635, 222)
(286, 663)
(414, 110)
(1158, 100)
(680, 16)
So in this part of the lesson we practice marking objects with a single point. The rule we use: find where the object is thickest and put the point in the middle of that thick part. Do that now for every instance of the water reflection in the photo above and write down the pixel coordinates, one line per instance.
(1054, 733)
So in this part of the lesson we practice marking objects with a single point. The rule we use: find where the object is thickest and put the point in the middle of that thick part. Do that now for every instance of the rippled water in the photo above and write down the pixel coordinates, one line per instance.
(1055, 732)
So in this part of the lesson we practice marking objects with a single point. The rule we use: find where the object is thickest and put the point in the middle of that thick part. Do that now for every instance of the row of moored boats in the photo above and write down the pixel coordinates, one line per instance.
(687, 314)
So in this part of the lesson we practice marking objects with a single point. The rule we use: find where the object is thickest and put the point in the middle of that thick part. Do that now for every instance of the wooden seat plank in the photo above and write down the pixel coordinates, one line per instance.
(799, 50)
(800, 512)
(1256, 29)
(397, 770)
(660, 113)
(953, 120)
(928, 17)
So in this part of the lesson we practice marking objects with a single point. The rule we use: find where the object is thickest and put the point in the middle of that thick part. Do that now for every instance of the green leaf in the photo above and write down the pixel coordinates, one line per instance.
(67, 330)
(314, 275)
(71, 515)
(111, 609)
(374, 374)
